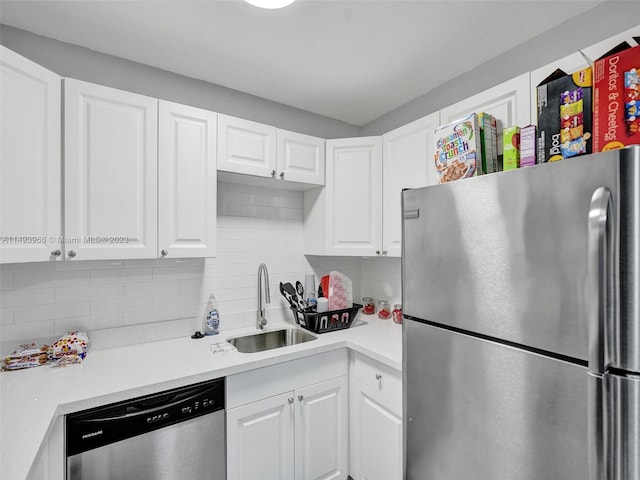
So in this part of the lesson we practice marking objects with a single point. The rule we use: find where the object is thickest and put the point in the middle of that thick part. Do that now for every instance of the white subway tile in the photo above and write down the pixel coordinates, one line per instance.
(123, 304)
(28, 296)
(178, 299)
(88, 292)
(177, 272)
(233, 198)
(150, 288)
(26, 332)
(50, 279)
(36, 313)
(88, 265)
(124, 275)
(6, 281)
(6, 315)
(267, 200)
(65, 325)
(295, 202)
(28, 267)
(242, 210)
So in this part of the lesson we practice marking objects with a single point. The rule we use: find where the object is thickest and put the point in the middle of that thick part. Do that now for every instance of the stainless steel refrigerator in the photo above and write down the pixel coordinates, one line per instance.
(521, 295)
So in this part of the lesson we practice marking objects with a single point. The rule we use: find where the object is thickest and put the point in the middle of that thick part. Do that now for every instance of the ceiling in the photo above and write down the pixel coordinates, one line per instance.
(348, 60)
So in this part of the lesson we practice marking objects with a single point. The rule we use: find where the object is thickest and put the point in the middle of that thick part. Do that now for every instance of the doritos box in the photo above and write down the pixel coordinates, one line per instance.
(564, 107)
(616, 99)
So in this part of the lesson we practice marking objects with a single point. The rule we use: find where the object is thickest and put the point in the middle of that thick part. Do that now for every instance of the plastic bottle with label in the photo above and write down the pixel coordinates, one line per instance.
(211, 320)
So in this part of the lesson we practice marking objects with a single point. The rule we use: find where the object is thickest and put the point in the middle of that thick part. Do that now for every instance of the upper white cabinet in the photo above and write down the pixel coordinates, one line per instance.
(111, 159)
(186, 181)
(30, 161)
(263, 151)
(300, 158)
(246, 147)
(594, 52)
(569, 64)
(407, 162)
(508, 102)
(345, 218)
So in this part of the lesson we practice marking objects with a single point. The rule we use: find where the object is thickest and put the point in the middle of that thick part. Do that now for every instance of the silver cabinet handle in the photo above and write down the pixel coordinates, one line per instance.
(164, 253)
(377, 252)
(300, 398)
(273, 174)
(56, 253)
(378, 376)
(290, 400)
(71, 253)
(282, 175)
(384, 252)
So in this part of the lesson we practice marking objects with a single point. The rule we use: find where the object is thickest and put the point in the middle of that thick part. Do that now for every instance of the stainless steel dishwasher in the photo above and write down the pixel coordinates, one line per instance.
(176, 434)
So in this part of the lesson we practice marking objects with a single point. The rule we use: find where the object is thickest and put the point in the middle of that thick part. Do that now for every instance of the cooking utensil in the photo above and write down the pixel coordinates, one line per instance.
(286, 293)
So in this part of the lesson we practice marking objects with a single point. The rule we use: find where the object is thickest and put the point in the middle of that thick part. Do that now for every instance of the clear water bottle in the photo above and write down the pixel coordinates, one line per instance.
(211, 320)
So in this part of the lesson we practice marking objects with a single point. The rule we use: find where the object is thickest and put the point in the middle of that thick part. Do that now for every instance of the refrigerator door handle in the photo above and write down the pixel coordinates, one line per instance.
(601, 306)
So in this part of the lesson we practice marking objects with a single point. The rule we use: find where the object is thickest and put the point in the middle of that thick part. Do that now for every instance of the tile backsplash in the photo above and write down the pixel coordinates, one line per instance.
(255, 225)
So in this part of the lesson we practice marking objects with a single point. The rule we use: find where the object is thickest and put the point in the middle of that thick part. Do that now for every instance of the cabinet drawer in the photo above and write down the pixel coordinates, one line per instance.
(384, 379)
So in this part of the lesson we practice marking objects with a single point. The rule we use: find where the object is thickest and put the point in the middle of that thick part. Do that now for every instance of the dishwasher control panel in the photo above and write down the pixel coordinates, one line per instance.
(101, 426)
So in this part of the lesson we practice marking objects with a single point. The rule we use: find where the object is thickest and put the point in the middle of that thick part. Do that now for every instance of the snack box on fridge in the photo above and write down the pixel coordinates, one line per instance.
(564, 108)
(528, 146)
(616, 121)
(458, 152)
(511, 148)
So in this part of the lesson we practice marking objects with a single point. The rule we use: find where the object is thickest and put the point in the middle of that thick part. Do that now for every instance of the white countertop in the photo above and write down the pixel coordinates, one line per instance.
(32, 399)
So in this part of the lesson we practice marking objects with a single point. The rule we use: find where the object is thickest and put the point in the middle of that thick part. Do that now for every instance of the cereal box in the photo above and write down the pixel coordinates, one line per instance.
(616, 122)
(458, 152)
(511, 148)
(564, 108)
(488, 137)
(528, 146)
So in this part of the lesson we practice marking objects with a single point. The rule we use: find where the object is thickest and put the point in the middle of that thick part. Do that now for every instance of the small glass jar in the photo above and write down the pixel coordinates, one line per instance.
(368, 307)
(397, 313)
(384, 309)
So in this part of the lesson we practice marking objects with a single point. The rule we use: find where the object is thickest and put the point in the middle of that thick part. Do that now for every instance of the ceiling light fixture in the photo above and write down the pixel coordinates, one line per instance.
(270, 4)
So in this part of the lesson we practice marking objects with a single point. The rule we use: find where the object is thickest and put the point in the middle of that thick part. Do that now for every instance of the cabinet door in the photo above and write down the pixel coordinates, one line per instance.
(30, 162)
(321, 431)
(111, 162)
(407, 162)
(376, 435)
(260, 440)
(509, 102)
(186, 181)
(300, 158)
(569, 64)
(246, 147)
(354, 196)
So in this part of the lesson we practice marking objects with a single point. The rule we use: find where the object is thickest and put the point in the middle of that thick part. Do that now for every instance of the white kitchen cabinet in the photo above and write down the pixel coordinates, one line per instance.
(260, 439)
(258, 151)
(594, 52)
(300, 158)
(186, 181)
(111, 160)
(345, 218)
(30, 161)
(50, 463)
(407, 162)
(569, 64)
(376, 420)
(289, 421)
(509, 102)
(246, 147)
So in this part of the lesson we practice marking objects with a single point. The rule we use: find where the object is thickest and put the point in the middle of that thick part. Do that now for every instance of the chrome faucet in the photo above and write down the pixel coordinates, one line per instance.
(263, 278)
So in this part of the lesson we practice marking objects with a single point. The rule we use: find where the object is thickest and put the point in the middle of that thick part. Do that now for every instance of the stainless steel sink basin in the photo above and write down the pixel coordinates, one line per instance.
(259, 342)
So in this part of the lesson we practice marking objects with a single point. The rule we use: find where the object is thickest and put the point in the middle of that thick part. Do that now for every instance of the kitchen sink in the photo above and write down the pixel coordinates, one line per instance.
(259, 342)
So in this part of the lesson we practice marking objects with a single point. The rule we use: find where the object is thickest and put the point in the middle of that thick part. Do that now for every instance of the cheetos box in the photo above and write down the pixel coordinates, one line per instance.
(564, 112)
(616, 99)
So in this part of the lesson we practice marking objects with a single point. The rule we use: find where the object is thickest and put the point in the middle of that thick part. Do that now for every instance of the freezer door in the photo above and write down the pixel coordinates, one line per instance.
(480, 410)
(505, 255)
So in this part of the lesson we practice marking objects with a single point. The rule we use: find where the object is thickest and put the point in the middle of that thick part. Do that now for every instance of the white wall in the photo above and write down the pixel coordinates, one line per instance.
(45, 300)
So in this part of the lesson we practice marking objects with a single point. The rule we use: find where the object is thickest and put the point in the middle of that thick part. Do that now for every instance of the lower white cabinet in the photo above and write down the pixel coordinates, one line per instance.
(50, 463)
(300, 432)
(375, 420)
